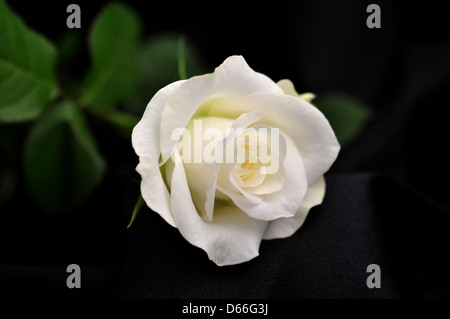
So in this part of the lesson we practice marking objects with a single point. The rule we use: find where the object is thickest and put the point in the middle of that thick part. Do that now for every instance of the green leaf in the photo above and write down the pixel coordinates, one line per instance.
(347, 116)
(159, 66)
(136, 210)
(62, 165)
(27, 61)
(114, 49)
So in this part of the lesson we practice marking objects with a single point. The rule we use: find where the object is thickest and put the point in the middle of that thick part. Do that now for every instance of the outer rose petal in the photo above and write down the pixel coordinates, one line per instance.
(288, 87)
(145, 140)
(233, 78)
(232, 238)
(202, 177)
(285, 227)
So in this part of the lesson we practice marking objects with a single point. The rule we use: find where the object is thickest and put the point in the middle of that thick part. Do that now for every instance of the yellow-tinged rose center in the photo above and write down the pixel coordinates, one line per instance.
(247, 171)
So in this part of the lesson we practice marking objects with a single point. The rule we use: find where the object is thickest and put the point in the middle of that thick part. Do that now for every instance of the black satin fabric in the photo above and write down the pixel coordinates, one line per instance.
(388, 194)
(365, 219)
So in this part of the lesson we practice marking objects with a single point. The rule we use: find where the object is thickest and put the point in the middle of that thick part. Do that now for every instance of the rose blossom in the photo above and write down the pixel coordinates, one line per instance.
(227, 208)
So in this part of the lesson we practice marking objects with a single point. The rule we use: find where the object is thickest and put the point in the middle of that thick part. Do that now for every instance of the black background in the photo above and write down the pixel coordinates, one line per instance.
(388, 193)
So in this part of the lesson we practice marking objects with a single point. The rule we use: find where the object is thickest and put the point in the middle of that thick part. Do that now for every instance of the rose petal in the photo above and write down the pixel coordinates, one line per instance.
(232, 78)
(285, 227)
(288, 88)
(275, 205)
(202, 180)
(231, 238)
(272, 182)
(145, 141)
(247, 119)
(202, 177)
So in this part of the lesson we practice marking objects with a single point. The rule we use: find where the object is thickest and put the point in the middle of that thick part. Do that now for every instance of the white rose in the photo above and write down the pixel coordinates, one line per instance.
(227, 208)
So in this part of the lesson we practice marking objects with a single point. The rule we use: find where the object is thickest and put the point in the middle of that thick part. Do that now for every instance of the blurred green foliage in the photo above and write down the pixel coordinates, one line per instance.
(113, 43)
(158, 61)
(60, 163)
(27, 60)
(347, 115)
